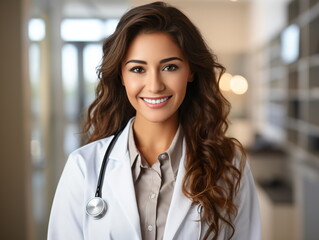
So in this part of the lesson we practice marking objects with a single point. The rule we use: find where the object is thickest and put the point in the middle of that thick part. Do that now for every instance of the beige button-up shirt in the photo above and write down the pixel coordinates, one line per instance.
(154, 185)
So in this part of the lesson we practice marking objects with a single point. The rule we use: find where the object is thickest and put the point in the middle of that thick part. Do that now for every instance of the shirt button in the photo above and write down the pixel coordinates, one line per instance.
(149, 228)
(163, 156)
(153, 195)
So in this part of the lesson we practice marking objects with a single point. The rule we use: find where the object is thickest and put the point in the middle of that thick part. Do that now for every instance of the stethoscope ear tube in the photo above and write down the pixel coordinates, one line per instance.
(97, 207)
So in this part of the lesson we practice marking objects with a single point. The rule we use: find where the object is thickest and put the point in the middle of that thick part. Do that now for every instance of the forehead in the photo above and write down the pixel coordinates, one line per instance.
(153, 45)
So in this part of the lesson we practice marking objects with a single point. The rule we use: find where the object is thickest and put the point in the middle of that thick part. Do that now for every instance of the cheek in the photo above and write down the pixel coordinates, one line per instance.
(132, 86)
(180, 85)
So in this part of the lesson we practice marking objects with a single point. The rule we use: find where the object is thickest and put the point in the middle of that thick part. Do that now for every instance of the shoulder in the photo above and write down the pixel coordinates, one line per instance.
(97, 148)
(91, 148)
(247, 221)
(89, 154)
(247, 190)
(241, 162)
(240, 159)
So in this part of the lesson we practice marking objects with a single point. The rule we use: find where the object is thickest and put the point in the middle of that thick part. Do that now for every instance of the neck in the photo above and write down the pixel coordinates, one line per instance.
(153, 136)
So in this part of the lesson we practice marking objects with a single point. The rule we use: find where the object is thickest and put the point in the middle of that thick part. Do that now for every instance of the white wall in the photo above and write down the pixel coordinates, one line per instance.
(267, 18)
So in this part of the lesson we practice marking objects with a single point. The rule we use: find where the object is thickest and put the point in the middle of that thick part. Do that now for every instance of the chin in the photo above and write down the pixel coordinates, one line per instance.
(159, 118)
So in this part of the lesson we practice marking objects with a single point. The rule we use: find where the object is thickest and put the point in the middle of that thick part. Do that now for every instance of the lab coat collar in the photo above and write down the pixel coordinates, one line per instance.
(120, 181)
(120, 148)
(180, 204)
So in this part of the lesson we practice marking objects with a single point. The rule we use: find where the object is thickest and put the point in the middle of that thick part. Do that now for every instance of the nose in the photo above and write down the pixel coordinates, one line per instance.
(155, 82)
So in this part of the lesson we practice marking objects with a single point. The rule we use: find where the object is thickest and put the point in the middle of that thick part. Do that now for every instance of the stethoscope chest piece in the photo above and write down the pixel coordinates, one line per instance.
(96, 207)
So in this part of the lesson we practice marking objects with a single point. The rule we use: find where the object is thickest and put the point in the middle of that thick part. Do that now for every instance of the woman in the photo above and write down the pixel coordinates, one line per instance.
(172, 174)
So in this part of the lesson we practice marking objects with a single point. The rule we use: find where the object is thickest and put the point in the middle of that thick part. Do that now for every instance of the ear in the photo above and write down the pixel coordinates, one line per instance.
(121, 78)
(190, 77)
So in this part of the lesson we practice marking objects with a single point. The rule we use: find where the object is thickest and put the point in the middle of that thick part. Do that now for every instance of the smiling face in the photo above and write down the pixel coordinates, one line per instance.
(155, 74)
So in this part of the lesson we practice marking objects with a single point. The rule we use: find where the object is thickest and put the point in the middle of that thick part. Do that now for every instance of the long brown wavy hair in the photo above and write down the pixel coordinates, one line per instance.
(212, 176)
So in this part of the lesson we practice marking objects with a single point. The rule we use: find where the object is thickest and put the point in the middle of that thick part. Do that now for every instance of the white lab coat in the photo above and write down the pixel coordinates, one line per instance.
(69, 221)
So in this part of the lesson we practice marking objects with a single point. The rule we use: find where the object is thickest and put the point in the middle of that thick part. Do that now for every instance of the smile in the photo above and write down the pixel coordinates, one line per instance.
(155, 101)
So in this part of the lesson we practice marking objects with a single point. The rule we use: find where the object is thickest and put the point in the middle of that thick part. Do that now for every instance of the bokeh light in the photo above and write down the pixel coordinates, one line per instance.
(239, 84)
(224, 82)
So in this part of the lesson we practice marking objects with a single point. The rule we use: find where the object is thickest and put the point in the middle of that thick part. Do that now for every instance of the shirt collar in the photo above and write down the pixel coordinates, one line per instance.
(133, 152)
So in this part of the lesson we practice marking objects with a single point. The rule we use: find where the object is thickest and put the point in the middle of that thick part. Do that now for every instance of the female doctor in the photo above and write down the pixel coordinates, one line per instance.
(172, 173)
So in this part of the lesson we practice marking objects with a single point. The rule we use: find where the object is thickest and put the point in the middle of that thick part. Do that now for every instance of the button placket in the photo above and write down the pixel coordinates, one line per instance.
(155, 184)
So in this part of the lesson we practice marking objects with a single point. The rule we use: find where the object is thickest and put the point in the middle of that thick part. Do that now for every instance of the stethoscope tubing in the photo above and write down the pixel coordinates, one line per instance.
(98, 192)
(96, 206)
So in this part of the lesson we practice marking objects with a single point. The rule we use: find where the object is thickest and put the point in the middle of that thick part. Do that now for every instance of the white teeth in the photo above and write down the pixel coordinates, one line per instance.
(157, 101)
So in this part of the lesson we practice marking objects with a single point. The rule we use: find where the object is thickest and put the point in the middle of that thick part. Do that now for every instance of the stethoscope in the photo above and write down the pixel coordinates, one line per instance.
(97, 207)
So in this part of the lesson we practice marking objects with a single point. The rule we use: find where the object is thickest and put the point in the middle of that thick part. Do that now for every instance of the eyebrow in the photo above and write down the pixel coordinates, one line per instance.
(162, 61)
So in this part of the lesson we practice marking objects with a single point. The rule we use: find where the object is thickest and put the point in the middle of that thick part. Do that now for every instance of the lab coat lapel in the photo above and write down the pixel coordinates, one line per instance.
(121, 183)
(180, 204)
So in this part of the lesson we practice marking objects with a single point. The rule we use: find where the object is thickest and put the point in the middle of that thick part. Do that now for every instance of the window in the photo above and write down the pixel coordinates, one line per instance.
(81, 56)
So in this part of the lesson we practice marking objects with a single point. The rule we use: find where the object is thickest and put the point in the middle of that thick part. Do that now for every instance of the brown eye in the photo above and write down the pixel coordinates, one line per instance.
(170, 67)
(137, 70)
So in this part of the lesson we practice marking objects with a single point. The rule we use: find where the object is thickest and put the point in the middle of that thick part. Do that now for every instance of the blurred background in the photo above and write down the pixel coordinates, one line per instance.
(48, 59)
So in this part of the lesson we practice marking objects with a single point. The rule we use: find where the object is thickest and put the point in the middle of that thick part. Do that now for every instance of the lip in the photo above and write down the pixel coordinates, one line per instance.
(156, 105)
